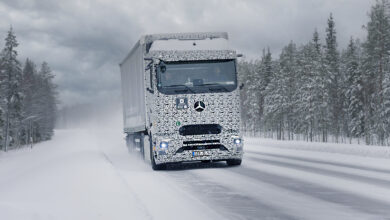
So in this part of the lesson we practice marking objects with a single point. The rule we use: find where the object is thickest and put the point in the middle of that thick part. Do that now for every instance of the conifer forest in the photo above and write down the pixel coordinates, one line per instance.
(27, 99)
(320, 92)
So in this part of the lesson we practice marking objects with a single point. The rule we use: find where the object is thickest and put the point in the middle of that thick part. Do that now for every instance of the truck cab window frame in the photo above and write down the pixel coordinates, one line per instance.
(204, 76)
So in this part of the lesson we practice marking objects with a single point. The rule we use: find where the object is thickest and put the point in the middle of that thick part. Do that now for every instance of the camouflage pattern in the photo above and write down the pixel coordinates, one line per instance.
(165, 119)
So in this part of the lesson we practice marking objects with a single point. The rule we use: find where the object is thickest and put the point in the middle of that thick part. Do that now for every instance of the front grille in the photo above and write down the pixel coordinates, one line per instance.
(201, 142)
(202, 147)
(200, 129)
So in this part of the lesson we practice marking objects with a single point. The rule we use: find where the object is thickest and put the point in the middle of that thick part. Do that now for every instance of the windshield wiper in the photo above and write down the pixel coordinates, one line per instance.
(173, 86)
(216, 84)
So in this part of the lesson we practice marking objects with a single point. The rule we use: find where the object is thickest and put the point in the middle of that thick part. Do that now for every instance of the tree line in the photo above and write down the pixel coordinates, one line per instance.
(316, 92)
(27, 99)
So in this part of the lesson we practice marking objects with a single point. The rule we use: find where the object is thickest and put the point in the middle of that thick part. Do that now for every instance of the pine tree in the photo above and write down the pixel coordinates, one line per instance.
(279, 102)
(321, 96)
(30, 102)
(385, 111)
(375, 67)
(253, 94)
(1, 126)
(2, 100)
(354, 90)
(274, 103)
(47, 99)
(310, 89)
(264, 71)
(290, 70)
(246, 72)
(331, 64)
(10, 86)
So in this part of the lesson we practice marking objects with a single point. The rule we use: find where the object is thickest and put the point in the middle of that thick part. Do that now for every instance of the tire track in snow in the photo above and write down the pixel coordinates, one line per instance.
(143, 207)
(295, 204)
(146, 184)
(306, 186)
(320, 170)
(231, 203)
(385, 171)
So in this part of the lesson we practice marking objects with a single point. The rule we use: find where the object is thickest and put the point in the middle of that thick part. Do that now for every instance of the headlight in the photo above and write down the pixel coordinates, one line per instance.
(237, 140)
(163, 145)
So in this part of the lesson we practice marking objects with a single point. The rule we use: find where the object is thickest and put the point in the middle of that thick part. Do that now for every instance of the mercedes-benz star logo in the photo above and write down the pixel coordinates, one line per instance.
(199, 106)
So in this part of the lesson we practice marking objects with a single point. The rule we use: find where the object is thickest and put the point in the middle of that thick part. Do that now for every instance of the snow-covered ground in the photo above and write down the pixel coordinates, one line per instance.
(88, 174)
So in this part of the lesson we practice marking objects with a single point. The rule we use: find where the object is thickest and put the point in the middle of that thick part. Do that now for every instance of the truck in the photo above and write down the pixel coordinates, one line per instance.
(181, 99)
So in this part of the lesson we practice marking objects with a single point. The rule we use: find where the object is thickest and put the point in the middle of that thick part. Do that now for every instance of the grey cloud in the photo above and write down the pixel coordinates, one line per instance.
(83, 41)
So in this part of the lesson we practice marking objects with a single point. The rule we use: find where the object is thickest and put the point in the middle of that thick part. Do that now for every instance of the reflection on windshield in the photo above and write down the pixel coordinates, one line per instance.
(194, 77)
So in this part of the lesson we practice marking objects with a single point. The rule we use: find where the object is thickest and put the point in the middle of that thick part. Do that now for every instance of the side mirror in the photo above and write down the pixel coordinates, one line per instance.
(242, 86)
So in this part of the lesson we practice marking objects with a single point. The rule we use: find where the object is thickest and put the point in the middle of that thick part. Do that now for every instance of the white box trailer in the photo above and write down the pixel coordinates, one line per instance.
(133, 90)
(181, 99)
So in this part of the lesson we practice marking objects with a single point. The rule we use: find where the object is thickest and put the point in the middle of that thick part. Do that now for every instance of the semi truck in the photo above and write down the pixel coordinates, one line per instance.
(181, 99)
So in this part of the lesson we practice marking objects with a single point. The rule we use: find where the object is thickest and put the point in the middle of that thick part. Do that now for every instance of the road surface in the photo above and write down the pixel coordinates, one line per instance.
(85, 174)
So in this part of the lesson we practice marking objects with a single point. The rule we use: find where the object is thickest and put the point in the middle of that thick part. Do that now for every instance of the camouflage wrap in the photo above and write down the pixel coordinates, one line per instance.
(221, 108)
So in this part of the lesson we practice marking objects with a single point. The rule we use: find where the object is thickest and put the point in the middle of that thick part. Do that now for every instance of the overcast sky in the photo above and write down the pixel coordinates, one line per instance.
(83, 41)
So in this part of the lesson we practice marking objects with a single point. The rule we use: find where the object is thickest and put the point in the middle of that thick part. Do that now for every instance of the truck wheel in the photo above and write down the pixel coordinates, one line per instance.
(141, 144)
(146, 147)
(154, 165)
(234, 162)
(130, 143)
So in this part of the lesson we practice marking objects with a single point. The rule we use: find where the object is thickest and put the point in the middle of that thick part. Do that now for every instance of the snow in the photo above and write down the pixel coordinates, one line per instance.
(188, 45)
(59, 180)
(88, 174)
(350, 154)
(72, 177)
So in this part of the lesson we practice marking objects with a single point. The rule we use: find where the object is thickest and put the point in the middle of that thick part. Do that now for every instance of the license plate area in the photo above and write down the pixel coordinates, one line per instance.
(201, 153)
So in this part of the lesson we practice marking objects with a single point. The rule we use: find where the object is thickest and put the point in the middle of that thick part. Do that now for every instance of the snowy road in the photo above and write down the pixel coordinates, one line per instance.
(89, 175)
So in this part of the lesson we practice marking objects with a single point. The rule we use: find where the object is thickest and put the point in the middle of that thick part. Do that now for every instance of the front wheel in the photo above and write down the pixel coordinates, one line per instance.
(234, 162)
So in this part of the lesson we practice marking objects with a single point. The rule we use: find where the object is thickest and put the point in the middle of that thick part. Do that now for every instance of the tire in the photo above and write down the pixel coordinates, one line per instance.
(153, 163)
(146, 148)
(234, 162)
(130, 143)
(141, 145)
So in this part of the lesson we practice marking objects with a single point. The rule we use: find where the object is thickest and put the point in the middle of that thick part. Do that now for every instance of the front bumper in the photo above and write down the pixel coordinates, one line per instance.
(172, 154)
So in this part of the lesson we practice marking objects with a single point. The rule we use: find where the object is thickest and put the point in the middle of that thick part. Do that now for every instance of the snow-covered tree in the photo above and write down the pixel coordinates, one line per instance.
(27, 99)
(265, 70)
(246, 72)
(30, 102)
(1, 126)
(353, 90)
(310, 90)
(385, 111)
(10, 87)
(315, 93)
(331, 64)
(47, 99)
(375, 68)
(2, 101)
(279, 103)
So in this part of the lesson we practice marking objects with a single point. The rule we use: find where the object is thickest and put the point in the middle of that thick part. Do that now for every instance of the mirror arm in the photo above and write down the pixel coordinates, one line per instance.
(150, 90)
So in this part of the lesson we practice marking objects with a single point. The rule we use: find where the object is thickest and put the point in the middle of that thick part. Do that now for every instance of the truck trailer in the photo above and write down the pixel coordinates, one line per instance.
(181, 99)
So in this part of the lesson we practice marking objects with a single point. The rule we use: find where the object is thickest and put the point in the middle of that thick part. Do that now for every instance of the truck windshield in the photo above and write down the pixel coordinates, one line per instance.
(197, 76)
